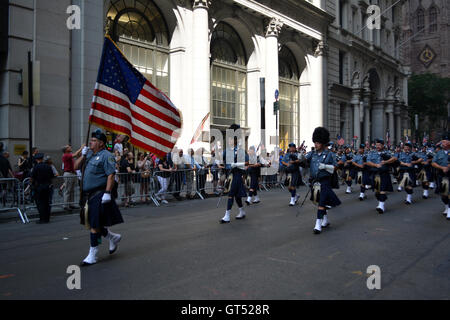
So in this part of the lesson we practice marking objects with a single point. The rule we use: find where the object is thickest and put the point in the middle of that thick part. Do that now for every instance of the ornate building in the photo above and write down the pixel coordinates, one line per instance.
(426, 36)
(224, 57)
(366, 81)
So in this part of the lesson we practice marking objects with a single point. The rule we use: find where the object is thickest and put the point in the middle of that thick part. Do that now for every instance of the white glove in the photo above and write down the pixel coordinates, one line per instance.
(237, 165)
(106, 198)
(328, 167)
(85, 151)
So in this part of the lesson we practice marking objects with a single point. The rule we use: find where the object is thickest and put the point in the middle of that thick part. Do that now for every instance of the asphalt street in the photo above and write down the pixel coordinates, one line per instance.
(180, 251)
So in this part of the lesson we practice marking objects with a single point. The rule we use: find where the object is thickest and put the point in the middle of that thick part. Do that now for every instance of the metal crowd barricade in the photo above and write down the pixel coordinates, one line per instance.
(64, 193)
(130, 183)
(176, 182)
(11, 197)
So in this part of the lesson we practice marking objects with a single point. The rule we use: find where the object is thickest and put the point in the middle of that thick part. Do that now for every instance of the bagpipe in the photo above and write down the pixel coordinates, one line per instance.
(386, 167)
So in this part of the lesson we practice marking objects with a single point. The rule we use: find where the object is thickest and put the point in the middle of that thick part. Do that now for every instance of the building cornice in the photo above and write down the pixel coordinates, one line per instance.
(267, 12)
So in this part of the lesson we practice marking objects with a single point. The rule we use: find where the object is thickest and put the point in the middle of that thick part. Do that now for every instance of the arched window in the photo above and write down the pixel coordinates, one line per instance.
(420, 20)
(228, 78)
(289, 98)
(433, 19)
(140, 31)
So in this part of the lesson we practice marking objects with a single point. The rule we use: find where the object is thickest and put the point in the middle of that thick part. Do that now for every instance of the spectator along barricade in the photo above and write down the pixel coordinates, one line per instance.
(195, 179)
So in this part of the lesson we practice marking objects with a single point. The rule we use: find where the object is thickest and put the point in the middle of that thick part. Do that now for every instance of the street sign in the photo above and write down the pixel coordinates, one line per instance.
(277, 94)
(276, 106)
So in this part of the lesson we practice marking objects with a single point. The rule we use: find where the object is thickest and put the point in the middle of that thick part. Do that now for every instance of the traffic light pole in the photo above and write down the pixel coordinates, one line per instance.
(30, 102)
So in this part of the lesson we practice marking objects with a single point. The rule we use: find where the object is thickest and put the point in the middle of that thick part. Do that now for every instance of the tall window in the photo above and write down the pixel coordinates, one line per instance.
(228, 78)
(289, 98)
(140, 31)
(433, 19)
(420, 20)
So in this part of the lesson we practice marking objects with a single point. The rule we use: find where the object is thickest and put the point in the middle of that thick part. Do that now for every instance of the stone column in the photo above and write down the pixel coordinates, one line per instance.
(356, 116)
(348, 123)
(405, 119)
(272, 78)
(390, 112)
(317, 113)
(367, 115)
(398, 122)
(200, 66)
(378, 119)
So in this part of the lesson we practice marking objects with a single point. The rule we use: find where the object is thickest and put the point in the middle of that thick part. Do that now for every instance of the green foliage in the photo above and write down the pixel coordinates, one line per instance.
(428, 96)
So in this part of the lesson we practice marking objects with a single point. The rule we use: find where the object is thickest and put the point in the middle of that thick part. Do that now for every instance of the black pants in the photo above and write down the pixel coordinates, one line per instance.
(42, 198)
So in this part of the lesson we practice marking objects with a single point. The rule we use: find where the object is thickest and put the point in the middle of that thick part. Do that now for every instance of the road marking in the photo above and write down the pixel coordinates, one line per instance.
(333, 255)
(284, 261)
(359, 273)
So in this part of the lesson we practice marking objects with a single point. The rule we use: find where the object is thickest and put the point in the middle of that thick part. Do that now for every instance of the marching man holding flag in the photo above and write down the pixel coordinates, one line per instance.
(124, 102)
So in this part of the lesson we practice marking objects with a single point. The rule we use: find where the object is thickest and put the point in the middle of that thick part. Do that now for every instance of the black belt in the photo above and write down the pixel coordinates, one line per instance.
(92, 193)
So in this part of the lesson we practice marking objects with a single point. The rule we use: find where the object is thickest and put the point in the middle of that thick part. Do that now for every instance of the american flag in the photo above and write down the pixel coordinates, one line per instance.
(126, 102)
(199, 130)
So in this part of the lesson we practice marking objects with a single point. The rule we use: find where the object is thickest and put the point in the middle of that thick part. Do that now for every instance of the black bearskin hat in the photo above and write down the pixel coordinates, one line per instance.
(321, 135)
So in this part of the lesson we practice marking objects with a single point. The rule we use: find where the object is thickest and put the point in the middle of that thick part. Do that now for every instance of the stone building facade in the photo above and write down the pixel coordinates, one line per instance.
(224, 57)
(426, 33)
(366, 81)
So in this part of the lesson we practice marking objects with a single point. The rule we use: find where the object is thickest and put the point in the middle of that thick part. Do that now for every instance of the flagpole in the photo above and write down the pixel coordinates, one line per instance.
(83, 168)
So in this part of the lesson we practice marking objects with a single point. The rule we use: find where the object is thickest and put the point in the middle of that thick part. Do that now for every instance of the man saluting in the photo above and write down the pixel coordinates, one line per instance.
(99, 209)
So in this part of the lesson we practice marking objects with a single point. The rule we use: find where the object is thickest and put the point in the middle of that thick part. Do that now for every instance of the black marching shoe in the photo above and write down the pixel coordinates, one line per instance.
(380, 210)
(318, 227)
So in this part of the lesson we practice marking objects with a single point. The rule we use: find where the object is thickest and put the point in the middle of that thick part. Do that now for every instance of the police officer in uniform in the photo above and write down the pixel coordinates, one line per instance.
(441, 163)
(41, 179)
(362, 174)
(236, 170)
(254, 171)
(378, 161)
(396, 167)
(407, 173)
(99, 208)
(292, 162)
(348, 168)
(322, 165)
(425, 175)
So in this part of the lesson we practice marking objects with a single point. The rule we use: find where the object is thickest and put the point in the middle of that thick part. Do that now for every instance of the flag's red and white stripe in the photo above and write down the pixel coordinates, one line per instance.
(152, 122)
(199, 130)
